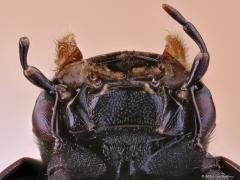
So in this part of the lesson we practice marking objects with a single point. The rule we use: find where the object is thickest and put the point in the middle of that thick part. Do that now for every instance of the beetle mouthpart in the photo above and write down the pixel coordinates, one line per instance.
(131, 84)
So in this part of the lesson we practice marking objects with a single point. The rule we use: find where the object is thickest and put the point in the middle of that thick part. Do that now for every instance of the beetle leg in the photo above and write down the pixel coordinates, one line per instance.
(45, 123)
(198, 123)
(84, 115)
(207, 111)
(205, 114)
(201, 61)
(69, 109)
(60, 93)
(31, 73)
(83, 103)
(58, 142)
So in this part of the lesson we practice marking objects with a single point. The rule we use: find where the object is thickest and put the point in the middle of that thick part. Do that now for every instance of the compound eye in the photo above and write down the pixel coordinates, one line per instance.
(155, 83)
(96, 82)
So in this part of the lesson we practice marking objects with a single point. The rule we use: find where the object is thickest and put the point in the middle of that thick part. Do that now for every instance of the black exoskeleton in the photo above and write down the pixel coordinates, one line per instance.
(126, 115)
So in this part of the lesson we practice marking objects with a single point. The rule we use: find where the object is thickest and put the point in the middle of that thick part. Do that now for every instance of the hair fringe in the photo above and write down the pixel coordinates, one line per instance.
(67, 50)
(175, 46)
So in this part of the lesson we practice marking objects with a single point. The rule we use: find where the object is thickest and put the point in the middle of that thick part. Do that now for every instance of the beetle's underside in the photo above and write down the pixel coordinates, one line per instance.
(124, 115)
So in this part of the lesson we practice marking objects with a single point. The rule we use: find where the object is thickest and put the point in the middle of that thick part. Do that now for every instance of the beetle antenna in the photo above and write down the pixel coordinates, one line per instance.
(31, 73)
(23, 51)
(201, 61)
(188, 27)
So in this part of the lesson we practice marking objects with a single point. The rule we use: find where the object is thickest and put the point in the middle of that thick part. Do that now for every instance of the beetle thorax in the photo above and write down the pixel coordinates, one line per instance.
(126, 107)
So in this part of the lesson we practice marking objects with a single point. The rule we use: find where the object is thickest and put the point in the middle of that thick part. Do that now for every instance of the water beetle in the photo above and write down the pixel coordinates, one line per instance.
(124, 115)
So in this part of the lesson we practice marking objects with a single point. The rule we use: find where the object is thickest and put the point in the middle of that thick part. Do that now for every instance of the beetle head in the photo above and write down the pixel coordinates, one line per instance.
(125, 87)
